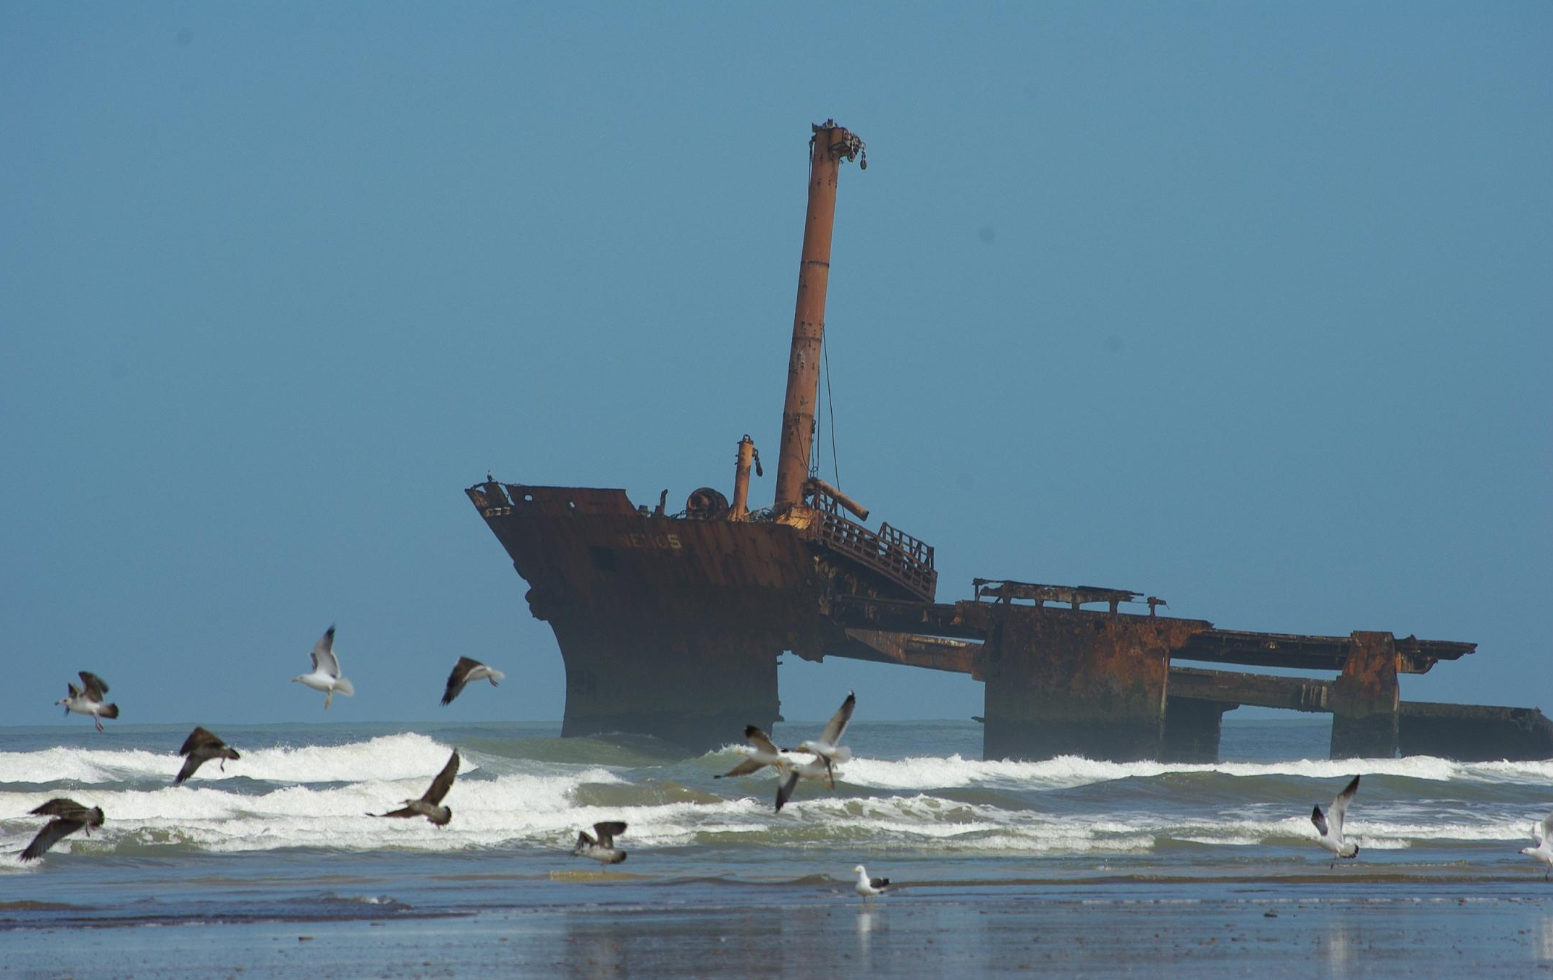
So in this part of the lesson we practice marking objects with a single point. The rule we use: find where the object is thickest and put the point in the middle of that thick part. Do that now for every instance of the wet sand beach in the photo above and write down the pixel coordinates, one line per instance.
(1273, 929)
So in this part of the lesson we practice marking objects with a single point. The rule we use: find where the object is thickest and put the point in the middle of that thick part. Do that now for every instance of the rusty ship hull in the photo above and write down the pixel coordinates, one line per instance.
(669, 627)
(673, 625)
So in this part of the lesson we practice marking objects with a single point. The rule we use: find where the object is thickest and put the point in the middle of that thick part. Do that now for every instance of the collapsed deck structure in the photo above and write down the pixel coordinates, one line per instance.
(671, 625)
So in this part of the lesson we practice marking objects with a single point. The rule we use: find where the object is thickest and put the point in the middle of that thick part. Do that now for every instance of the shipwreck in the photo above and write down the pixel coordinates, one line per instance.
(671, 624)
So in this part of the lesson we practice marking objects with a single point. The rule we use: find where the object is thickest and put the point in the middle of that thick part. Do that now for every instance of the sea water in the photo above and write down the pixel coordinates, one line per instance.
(286, 835)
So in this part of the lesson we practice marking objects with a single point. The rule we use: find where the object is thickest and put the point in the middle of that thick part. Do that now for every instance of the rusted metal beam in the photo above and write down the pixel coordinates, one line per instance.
(1076, 596)
(912, 650)
(1303, 652)
(1259, 690)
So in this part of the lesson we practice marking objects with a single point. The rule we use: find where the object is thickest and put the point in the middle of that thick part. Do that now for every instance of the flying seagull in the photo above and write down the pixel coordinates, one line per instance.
(766, 754)
(69, 817)
(428, 806)
(868, 889)
(602, 850)
(1330, 824)
(326, 675)
(1540, 834)
(87, 699)
(828, 751)
(828, 745)
(467, 670)
(201, 746)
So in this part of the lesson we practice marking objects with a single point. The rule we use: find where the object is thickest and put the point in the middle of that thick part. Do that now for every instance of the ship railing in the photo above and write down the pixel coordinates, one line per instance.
(891, 552)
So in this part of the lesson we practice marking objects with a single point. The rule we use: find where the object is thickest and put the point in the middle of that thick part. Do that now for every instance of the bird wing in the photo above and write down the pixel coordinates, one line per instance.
(59, 806)
(838, 722)
(323, 654)
(785, 791)
(743, 769)
(760, 740)
(403, 811)
(75, 692)
(1319, 819)
(443, 782)
(607, 831)
(193, 762)
(879, 882)
(1547, 829)
(458, 678)
(55, 831)
(96, 687)
(1340, 806)
(200, 738)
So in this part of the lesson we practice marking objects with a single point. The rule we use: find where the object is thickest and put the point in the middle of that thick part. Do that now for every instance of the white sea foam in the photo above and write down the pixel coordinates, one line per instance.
(1064, 772)
(403, 756)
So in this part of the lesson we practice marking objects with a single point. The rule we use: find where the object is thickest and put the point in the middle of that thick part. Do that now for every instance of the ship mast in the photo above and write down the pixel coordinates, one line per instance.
(829, 145)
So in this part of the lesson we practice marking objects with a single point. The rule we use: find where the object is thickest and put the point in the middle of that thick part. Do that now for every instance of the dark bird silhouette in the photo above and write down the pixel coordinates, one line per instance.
(69, 817)
(603, 849)
(201, 746)
(428, 805)
(467, 670)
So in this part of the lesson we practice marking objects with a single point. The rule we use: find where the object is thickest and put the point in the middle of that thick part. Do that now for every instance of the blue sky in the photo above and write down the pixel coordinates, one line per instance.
(1243, 305)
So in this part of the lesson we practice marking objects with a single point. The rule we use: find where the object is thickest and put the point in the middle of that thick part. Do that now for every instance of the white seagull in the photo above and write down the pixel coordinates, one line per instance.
(828, 745)
(467, 670)
(87, 699)
(868, 888)
(1330, 824)
(828, 751)
(1540, 834)
(602, 850)
(326, 675)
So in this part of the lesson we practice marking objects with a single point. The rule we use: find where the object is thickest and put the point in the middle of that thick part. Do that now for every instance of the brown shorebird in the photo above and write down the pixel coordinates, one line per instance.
(201, 746)
(69, 817)
(602, 849)
(428, 805)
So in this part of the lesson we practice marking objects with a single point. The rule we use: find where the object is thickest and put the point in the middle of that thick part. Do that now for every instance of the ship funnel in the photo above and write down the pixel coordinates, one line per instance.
(829, 145)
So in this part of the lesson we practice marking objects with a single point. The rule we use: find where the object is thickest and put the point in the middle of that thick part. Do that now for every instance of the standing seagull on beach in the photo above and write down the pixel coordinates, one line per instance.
(87, 699)
(428, 805)
(1540, 834)
(69, 817)
(827, 748)
(326, 675)
(602, 850)
(467, 670)
(201, 746)
(1330, 824)
(868, 888)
